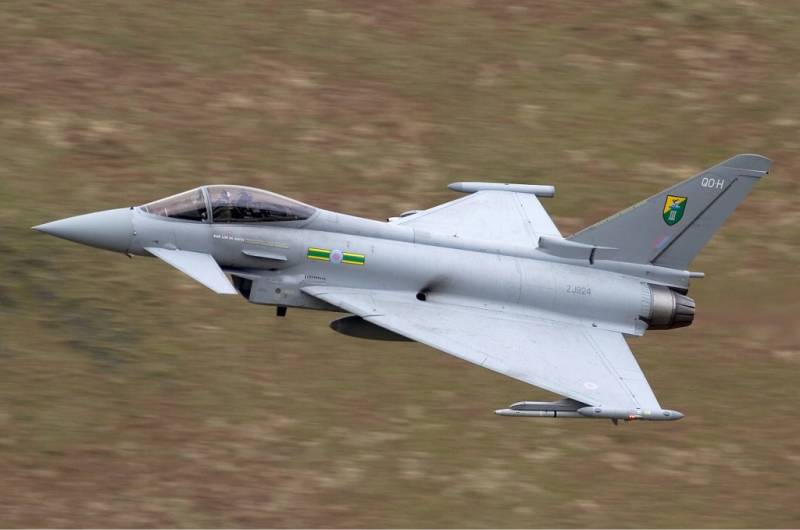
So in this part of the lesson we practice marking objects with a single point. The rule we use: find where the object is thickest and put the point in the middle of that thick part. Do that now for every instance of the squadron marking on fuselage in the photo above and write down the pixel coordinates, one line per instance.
(335, 256)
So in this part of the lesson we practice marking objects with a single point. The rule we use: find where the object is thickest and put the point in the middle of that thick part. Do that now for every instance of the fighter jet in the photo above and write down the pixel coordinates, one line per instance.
(488, 277)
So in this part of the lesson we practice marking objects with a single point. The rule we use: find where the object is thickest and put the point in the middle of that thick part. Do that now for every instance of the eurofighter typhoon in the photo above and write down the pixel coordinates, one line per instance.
(487, 278)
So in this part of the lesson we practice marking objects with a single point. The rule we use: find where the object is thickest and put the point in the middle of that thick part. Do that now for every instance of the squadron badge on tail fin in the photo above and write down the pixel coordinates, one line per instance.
(673, 209)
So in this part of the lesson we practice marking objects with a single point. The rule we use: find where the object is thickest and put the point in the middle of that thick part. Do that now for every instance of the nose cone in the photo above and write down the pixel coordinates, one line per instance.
(109, 229)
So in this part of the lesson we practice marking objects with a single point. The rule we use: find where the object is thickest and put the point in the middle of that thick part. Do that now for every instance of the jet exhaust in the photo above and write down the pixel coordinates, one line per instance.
(668, 309)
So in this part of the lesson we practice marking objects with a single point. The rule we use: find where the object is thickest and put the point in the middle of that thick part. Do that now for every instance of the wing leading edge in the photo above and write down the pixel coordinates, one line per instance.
(589, 365)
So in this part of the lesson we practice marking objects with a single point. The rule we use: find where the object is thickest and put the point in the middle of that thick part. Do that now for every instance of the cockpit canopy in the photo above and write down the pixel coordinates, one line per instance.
(230, 204)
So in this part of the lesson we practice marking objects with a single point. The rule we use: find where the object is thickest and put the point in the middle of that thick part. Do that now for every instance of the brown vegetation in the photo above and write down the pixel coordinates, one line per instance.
(130, 396)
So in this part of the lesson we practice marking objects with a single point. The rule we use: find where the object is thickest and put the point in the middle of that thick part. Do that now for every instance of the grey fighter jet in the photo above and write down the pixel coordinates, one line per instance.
(487, 278)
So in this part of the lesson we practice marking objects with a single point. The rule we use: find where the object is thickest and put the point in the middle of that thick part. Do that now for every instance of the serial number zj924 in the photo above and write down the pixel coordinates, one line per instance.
(579, 290)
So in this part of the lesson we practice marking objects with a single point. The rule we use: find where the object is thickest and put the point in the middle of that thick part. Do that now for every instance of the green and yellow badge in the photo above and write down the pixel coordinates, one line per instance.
(674, 207)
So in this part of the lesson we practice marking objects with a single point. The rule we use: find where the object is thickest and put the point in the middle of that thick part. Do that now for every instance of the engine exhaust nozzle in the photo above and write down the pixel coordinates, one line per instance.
(668, 309)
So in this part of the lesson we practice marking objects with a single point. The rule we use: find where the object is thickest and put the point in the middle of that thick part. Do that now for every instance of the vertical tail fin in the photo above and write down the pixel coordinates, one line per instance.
(670, 228)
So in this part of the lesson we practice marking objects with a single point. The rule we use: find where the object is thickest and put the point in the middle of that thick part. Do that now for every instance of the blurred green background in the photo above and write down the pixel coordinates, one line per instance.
(131, 396)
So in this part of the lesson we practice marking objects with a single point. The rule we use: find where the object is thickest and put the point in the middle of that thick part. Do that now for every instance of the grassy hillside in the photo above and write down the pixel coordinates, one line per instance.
(131, 396)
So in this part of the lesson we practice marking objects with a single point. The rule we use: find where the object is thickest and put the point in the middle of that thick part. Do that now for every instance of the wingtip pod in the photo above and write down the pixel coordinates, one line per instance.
(533, 189)
(636, 414)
